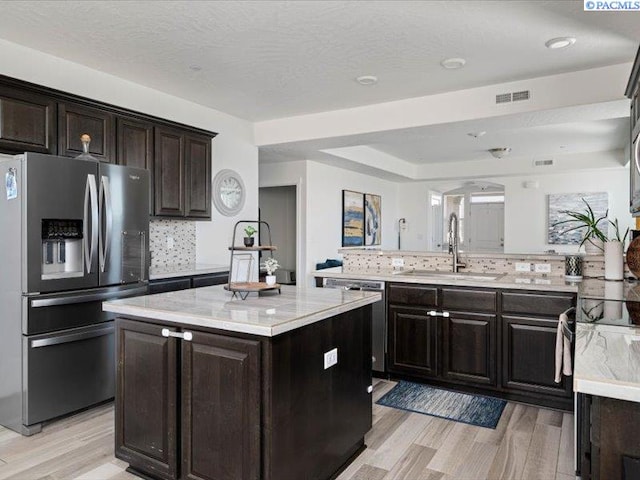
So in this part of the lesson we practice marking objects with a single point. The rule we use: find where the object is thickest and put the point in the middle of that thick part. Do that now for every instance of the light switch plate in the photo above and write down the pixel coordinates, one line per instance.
(330, 358)
(523, 267)
(397, 262)
(543, 268)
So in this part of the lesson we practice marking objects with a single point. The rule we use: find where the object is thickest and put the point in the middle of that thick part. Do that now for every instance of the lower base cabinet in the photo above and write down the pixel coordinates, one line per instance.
(221, 406)
(413, 341)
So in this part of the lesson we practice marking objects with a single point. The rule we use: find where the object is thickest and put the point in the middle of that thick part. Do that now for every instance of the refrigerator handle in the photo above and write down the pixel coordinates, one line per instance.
(90, 201)
(106, 210)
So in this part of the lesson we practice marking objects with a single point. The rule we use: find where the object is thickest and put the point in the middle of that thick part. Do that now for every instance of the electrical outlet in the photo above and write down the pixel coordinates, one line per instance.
(523, 267)
(543, 268)
(397, 262)
(170, 243)
(330, 358)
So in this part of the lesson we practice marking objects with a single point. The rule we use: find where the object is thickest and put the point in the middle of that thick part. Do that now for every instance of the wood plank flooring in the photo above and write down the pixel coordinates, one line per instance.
(529, 443)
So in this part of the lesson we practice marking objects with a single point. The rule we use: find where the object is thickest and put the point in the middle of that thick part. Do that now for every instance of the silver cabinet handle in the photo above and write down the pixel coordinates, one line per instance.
(370, 389)
(445, 314)
(188, 336)
(434, 313)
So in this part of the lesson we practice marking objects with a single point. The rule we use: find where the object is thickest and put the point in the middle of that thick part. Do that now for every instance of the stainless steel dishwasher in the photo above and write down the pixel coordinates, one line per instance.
(378, 317)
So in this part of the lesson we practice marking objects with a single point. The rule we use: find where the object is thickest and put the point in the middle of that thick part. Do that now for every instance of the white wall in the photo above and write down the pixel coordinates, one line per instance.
(234, 146)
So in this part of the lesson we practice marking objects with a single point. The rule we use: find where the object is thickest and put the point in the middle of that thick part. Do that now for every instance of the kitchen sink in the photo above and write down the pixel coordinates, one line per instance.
(448, 275)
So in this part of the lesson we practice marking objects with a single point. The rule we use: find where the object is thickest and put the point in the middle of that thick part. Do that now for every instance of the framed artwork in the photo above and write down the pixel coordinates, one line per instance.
(352, 219)
(556, 234)
(372, 219)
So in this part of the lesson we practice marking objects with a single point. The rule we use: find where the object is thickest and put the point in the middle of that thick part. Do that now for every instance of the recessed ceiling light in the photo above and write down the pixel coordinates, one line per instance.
(499, 152)
(476, 134)
(560, 42)
(453, 63)
(367, 80)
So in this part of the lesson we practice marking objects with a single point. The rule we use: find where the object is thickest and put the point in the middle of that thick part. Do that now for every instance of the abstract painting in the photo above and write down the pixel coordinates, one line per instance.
(372, 219)
(352, 219)
(557, 234)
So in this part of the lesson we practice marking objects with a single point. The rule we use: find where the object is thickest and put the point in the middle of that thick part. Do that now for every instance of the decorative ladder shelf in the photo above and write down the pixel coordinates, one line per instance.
(243, 289)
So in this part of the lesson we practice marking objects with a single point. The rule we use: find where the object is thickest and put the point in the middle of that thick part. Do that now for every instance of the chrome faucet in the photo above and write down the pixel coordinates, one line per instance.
(453, 242)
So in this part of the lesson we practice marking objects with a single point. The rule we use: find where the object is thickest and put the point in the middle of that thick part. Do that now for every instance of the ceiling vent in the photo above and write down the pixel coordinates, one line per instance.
(523, 95)
(513, 97)
(543, 163)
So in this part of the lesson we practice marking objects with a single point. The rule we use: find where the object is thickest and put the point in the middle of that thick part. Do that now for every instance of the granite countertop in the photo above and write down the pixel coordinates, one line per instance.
(607, 361)
(525, 282)
(267, 315)
(186, 270)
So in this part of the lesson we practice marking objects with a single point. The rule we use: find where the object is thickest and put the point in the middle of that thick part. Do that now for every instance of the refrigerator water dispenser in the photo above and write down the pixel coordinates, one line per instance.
(61, 248)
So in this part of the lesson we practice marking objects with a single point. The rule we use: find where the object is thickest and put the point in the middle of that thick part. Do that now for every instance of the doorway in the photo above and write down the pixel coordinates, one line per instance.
(277, 207)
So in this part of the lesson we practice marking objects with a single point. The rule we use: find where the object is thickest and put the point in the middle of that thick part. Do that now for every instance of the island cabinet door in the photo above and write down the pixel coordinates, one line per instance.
(413, 340)
(220, 408)
(146, 399)
(469, 348)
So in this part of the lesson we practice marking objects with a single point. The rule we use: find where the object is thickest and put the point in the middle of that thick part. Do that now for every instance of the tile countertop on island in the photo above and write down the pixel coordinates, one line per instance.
(502, 280)
(266, 315)
(607, 361)
(160, 272)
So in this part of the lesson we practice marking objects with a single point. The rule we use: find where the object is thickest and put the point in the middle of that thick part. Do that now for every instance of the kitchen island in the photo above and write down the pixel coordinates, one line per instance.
(274, 387)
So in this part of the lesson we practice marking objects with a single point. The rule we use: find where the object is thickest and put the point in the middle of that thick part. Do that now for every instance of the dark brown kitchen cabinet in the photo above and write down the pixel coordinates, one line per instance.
(135, 143)
(413, 341)
(529, 356)
(27, 122)
(469, 348)
(169, 172)
(74, 120)
(146, 398)
(217, 379)
(220, 417)
(197, 176)
(182, 174)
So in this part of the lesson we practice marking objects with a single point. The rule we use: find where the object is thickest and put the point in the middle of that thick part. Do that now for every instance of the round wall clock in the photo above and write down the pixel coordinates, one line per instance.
(228, 192)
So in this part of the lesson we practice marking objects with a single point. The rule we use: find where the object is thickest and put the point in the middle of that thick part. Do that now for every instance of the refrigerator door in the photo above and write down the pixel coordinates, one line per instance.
(124, 224)
(59, 196)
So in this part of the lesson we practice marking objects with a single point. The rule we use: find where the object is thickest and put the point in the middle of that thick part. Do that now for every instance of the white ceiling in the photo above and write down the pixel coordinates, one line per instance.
(263, 60)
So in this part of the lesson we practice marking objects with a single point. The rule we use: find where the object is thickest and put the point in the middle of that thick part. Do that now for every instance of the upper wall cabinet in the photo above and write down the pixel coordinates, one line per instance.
(134, 143)
(197, 176)
(27, 122)
(169, 172)
(74, 120)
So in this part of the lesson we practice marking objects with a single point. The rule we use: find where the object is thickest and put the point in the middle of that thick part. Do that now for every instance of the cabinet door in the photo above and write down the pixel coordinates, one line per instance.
(146, 399)
(528, 357)
(74, 120)
(220, 408)
(198, 176)
(469, 348)
(27, 122)
(135, 143)
(169, 172)
(413, 340)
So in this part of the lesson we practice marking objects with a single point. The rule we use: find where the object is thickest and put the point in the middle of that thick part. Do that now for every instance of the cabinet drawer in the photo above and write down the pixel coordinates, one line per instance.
(465, 299)
(410, 295)
(536, 303)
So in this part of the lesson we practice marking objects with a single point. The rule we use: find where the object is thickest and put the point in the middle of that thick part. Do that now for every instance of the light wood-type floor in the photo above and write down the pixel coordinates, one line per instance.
(529, 443)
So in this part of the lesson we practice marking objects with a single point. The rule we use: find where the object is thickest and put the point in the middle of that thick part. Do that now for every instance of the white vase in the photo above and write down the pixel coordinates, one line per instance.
(613, 261)
(594, 246)
(270, 279)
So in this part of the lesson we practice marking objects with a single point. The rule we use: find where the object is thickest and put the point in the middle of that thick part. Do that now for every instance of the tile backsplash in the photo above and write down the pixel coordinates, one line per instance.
(172, 242)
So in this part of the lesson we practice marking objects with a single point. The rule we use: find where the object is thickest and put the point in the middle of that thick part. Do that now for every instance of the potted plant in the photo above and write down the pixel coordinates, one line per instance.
(248, 239)
(592, 238)
(270, 265)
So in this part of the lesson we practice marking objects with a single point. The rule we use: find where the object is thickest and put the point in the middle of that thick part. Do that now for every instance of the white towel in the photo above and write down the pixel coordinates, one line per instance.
(563, 350)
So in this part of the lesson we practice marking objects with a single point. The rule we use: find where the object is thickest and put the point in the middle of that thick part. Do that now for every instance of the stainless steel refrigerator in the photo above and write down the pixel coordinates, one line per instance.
(73, 233)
